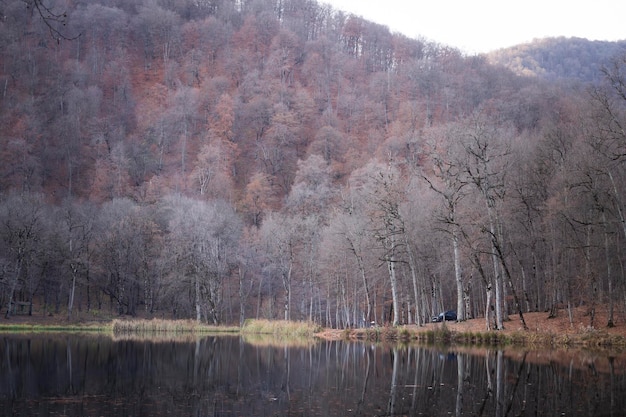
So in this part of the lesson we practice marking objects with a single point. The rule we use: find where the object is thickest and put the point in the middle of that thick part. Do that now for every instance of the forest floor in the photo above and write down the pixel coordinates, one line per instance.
(540, 326)
(541, 322)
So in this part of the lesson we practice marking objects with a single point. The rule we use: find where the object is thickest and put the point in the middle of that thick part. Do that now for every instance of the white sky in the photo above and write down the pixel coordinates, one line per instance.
(476, 26)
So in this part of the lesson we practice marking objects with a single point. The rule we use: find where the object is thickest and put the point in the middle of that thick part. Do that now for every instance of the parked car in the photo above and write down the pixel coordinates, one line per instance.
(449, 315)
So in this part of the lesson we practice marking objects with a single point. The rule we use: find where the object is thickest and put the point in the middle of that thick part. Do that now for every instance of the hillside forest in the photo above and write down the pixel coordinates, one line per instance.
(220, 160)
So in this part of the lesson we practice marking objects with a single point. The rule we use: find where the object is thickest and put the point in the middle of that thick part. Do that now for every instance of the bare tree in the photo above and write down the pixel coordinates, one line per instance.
(118, 246)
(486, 164)
(77, 227)
(202, 241)
(281, 240)
(20, 234)
(386, 195)
(446, 178)
(352, 225)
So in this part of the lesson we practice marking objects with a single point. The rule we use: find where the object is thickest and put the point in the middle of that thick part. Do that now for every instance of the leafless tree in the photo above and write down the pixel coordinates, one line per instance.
(202, 242)
(21, 234)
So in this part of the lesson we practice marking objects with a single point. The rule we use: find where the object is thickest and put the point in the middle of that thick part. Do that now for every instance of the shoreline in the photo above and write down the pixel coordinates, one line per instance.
(543, 331)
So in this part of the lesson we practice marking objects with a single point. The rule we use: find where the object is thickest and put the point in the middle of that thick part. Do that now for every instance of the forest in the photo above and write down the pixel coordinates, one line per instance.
(220, 160)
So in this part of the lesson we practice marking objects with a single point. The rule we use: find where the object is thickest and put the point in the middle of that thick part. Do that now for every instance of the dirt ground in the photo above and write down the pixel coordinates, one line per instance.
(541, 322)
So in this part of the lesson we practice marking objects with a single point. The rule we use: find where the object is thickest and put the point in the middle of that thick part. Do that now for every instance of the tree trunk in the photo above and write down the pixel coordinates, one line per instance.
(591, 277)
(287, 287)
(458, 275)
(496, 269)
(394, 289)
(198, 306)
(609, 275)
(18, 268)
(518, 305)
(368, 301)
(488, 309)
(413, 267)
(70, 304)
(242, 297)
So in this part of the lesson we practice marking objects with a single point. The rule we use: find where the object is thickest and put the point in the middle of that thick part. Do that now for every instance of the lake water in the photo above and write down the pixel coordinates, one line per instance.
(70, 375)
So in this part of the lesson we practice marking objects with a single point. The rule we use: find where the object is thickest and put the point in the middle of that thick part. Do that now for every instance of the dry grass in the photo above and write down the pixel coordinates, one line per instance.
(169, 327)
(58, 328)
(280, 328)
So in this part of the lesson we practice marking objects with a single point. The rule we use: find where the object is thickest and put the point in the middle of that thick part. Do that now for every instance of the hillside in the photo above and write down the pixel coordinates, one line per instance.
(281, 159)
(554, 58)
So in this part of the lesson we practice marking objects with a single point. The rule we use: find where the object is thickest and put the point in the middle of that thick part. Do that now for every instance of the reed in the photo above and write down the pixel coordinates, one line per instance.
(372, 334)
(404, 335)
(597, 338)
(65, 328)
(157, 326)
(389, 333)
(280, 327)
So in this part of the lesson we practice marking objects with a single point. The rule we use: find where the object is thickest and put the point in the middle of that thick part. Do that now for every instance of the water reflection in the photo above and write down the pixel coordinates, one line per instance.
(227, 376)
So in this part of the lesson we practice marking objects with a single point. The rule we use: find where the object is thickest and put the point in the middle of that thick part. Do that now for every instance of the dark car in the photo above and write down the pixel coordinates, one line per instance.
(449, 315)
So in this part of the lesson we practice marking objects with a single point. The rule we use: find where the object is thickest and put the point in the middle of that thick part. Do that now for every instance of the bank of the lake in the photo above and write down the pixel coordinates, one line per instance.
(567, 329)
(447, 334)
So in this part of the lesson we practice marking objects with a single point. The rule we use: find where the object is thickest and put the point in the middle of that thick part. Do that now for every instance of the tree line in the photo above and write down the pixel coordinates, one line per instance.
(280, 159)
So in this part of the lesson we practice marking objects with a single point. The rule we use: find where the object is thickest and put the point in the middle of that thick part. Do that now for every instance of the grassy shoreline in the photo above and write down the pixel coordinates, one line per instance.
(589, 339)
(54, 328)
(281, 329)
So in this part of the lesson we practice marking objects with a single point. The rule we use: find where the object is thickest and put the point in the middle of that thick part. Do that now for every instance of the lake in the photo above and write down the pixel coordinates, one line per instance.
(87, 375)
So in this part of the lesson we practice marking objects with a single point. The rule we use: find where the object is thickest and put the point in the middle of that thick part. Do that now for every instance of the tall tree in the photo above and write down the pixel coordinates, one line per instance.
(77, 227)
(20, 234)
(352, 225)
(202, 241)
(282, 239)
(448, 181)
(488, 154)
(386, 193)
(119, 244)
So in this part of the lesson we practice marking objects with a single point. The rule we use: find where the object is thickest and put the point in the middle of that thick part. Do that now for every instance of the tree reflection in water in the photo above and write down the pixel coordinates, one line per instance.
(226, 376)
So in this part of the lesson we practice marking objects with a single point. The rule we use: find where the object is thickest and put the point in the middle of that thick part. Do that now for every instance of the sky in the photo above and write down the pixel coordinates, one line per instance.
(477, 26)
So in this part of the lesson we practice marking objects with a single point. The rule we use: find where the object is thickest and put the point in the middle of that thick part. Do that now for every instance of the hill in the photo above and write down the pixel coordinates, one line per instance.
(219, 160)
(554, 58)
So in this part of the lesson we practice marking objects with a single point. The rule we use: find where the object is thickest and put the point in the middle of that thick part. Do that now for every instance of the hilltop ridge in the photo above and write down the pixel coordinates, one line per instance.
(559, 58)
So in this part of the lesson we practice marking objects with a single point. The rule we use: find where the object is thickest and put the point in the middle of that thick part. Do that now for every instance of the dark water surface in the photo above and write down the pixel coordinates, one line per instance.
(70, 375)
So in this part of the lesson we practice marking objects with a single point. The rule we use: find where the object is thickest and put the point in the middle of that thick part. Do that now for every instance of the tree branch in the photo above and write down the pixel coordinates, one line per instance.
(51, 19)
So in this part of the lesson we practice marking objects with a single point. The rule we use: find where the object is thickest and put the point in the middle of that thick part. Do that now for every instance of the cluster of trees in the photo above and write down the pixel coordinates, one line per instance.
(278, 158)
(118, 256)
